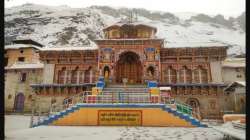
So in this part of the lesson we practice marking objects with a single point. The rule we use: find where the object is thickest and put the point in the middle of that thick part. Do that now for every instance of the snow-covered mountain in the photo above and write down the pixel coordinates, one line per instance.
(78, 27)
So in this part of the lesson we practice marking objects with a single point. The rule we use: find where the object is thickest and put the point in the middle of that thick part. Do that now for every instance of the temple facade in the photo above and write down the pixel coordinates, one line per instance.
(132, 52)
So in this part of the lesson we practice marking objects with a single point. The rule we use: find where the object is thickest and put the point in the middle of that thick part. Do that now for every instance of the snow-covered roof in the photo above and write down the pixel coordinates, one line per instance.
(25, 66)
(243, 83)
(67, 48)
(194, 44)
(136, 23)
(132, 39)
(19, 46)
(234, 62)
(234, 84)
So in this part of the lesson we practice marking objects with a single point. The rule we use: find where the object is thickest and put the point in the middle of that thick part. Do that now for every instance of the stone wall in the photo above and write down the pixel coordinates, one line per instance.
(28, 53)
(209, 106)
(231, 74)
(13, 86)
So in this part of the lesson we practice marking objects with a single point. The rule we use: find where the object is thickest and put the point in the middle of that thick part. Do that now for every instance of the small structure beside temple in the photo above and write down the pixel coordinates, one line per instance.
(22, 67)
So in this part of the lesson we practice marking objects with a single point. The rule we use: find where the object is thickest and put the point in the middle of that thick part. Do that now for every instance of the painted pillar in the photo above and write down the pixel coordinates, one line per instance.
(208, 77)
(78, 77)
(65, 76)
(83, 76)
(200, 75)
(192, 76)
(178, 76)
(169, 76)
(91, 75)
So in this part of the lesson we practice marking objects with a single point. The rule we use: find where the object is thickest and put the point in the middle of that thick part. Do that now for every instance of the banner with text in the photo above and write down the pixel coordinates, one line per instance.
(120, 117)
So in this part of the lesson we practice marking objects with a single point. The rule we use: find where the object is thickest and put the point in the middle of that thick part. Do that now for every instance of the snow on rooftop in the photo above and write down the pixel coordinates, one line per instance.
(25, 66)
(132, 39)
(135, 23)
(241, 82)
(194, 44)
(68, 48)
(234, 62)
(19, 46)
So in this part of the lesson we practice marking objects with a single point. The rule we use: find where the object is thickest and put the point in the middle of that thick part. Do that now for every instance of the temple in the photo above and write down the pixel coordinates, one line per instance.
(131, 53)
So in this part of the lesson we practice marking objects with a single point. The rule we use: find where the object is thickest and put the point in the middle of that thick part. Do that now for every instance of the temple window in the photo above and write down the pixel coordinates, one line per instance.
(150, 71)
(185, 75)
(74, 77)
(68, 77)
(21, 59)
(88, 75)
(200, 75)
(115, 34)
(61, 75)
(170, 75)
(23, 77)
(204, 78)
(81, 76)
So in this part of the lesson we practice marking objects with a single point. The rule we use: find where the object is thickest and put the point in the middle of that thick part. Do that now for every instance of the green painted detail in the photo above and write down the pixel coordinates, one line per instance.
(184, 108)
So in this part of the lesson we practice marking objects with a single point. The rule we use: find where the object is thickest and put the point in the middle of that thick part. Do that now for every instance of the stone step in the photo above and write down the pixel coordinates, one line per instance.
(128, 86)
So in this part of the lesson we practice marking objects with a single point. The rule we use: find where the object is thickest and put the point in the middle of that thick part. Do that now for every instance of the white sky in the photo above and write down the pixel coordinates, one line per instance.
(211, 7)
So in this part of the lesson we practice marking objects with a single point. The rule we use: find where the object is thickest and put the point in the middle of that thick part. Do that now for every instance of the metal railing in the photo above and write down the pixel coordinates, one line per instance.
(116, 98)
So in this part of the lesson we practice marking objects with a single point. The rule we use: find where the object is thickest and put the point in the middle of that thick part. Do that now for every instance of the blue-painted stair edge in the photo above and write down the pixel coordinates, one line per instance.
(164, 107)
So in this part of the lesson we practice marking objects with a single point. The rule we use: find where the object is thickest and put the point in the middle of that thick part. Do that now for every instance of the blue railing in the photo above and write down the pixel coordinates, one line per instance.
(152, 84)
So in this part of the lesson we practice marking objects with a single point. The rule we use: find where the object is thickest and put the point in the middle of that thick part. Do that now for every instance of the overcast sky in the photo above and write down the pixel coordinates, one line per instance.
(211, 7)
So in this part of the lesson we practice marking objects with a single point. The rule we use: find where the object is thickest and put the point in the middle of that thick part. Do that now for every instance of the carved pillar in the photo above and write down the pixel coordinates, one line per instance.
(91, 75)
(169, 76)
(208, 76)
(65, 77)
(200, 76)
(78, 77)
(192, 75)
(178, 76)
(83, 76)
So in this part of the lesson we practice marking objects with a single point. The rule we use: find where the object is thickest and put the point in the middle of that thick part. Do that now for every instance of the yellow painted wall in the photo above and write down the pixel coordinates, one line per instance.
(150, 117)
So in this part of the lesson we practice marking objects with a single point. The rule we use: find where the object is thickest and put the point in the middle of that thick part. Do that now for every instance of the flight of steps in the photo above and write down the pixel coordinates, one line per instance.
(77, 107)
(128, 94)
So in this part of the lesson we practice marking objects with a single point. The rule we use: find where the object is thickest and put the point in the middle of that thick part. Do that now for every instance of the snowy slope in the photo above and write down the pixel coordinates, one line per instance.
(78, 27)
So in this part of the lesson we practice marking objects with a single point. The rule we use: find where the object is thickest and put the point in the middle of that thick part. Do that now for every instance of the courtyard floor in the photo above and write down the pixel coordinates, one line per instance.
(17, 128)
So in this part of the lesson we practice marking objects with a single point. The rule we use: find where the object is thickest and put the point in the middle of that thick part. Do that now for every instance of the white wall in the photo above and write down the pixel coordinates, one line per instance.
(48, 73)
(216, 71)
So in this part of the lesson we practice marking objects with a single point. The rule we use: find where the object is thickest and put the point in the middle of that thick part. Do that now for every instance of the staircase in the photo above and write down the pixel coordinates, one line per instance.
(72, 111)
(128, 94)
(117, 97)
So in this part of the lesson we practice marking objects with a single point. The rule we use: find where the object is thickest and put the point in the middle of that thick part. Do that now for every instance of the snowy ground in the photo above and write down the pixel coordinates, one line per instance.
(17, 128)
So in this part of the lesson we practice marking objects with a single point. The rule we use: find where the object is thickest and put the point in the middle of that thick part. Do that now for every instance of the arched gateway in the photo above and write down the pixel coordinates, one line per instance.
(129, 66)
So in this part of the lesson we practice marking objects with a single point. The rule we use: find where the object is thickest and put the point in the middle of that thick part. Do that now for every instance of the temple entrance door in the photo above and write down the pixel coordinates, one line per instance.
(106, 73)
(194, 103)
(129, 66)
(19, 102)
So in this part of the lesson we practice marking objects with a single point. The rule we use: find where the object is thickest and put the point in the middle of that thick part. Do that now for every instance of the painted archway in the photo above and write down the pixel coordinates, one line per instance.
(19, 102)
(195, 104)
(106, 72)
(129, 66)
